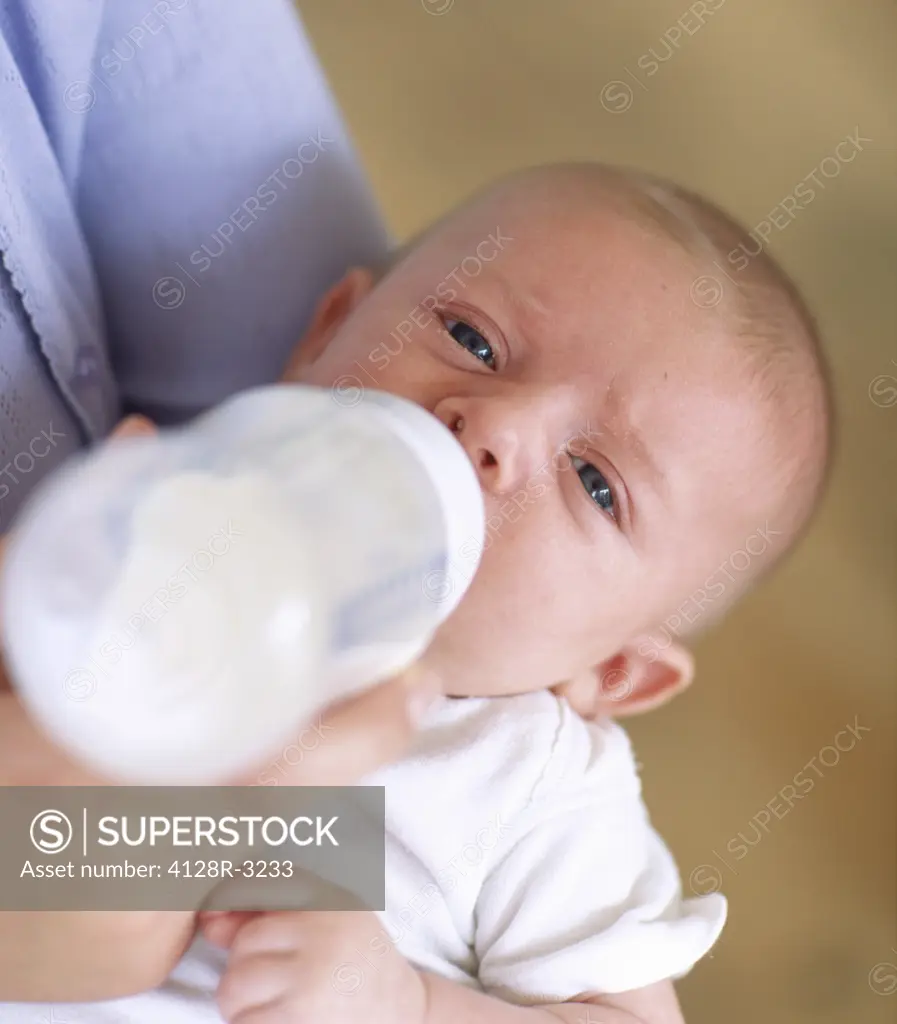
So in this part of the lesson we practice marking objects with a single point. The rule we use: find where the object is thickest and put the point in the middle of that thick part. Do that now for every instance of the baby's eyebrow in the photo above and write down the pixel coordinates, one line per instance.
(525, 307)
(630, 439)
(644, 456)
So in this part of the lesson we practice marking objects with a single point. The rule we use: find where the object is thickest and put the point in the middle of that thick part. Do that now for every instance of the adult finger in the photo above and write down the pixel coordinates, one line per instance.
(357, 735)
(132, 426)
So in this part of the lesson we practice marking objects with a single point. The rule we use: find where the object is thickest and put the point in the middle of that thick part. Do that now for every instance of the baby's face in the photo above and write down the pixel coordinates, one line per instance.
(603, 410)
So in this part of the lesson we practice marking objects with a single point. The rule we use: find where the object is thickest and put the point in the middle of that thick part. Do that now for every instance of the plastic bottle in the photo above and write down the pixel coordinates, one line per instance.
(177, 606)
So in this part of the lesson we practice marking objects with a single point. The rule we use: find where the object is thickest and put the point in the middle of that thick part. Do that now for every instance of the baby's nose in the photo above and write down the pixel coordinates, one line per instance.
(498, 447)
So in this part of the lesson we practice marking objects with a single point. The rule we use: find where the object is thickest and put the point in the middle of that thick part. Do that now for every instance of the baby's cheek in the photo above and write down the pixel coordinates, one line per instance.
(508, 513)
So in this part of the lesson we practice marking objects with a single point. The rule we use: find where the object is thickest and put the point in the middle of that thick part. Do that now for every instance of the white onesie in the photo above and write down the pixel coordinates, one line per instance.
(520, 860)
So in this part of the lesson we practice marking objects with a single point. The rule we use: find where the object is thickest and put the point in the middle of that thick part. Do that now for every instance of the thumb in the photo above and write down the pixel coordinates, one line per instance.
(360, 734)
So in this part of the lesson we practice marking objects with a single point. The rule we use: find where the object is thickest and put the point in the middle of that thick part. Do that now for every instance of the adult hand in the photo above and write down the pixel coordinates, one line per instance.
(69, 956)
(93, 955)
(55, 956)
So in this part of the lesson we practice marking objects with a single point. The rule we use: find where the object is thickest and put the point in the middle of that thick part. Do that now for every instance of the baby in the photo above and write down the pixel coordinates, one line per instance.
(634, 413)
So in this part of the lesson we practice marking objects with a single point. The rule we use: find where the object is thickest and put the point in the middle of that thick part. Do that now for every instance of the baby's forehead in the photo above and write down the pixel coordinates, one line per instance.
(564, 199)
(542, 219)
(596, 287)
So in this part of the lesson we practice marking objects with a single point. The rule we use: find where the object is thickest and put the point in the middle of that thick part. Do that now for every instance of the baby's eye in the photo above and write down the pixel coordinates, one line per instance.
(597, 487)
(470, 338)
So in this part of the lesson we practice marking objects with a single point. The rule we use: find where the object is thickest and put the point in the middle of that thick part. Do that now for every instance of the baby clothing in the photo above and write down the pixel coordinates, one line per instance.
(520, 860)
(549, 879)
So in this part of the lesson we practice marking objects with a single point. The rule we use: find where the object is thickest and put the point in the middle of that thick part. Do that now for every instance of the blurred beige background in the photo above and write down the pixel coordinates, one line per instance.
(442, 95)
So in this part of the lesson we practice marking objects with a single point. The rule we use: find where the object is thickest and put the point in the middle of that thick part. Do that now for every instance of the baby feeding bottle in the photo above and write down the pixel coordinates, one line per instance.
(176, 606)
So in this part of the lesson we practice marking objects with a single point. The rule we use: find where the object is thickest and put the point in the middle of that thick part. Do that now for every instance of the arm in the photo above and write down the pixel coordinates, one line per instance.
(314, 966)
(447, 1003)
(51, 956)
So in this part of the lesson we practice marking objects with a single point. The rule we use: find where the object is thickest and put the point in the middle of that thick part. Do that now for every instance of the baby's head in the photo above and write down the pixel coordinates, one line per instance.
(638, 406)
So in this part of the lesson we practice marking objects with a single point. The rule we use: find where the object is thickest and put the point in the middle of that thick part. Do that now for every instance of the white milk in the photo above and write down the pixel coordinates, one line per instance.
(176, 608)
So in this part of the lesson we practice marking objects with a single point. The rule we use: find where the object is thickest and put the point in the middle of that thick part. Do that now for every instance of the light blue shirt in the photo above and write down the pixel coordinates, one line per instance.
(176, 192)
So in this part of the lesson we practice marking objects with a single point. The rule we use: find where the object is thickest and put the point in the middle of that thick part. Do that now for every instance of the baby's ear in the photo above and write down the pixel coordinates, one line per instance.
(639, 678)
(330, 314)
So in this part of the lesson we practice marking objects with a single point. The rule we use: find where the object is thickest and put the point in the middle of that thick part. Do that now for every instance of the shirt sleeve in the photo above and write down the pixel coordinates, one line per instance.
(587, 899)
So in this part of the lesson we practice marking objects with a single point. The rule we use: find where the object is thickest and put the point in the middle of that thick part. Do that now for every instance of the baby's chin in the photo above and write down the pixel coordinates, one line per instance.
(469, 671)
